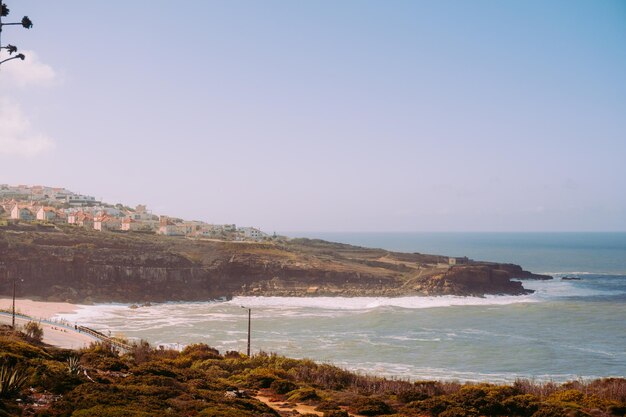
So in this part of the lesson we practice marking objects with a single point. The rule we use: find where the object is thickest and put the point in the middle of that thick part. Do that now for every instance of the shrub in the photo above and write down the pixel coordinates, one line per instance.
(521, 405)
(12, 380)
(567, 396)
(238, 408)
(106, 411)
(371, 407)
(617, 409)
(434, 405)
(336, 413)
(53, 376)
(327, 405)
(549, 411)
(104, 363)
(411, 395)
(608, 388)
(459, 412)
(34, 331)
(101, 355)
(73, 365)
(282, 386)
(324, 375)
(232, 354)
(201, 351)
(141, 352)
(304, 394)
(261, 378)
(154, 368)
(19, 349)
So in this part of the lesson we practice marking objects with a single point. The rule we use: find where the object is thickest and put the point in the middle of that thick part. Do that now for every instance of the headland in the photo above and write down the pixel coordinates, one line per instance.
(73, 264)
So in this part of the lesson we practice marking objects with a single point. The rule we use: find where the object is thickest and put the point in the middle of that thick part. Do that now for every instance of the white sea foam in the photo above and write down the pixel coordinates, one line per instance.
(370, 303)
(416, 373)
(186, 314)
(560, 274)
(552, 289)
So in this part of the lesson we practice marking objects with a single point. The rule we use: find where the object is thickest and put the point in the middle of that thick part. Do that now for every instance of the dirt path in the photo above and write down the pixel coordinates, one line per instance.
(280, 406)
(284, 406)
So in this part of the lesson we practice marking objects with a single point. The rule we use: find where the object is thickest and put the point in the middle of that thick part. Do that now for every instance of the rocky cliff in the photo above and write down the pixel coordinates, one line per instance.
(78, 265)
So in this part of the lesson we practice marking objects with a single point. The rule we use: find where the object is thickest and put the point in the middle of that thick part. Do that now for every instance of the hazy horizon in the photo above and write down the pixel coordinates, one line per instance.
(357, 116)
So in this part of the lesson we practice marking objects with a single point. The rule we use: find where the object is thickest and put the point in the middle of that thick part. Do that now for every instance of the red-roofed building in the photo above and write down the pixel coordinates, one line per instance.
(81, 218)
(106, 222)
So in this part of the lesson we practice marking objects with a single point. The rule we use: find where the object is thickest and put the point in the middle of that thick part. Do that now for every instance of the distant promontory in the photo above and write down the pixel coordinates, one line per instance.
(67, 263)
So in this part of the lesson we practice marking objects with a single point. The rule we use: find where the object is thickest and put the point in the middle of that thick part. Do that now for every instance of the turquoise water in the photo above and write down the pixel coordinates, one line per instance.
(538, 252)
(565, 330)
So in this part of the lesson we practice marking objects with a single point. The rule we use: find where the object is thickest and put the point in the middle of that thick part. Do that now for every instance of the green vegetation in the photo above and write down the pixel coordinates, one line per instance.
(37, 380)
(12, 380)
(34, 331)
(73, 365)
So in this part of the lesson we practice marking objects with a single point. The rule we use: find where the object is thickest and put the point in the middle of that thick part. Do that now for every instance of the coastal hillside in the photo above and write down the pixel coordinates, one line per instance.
(68, 263)
(37, 380)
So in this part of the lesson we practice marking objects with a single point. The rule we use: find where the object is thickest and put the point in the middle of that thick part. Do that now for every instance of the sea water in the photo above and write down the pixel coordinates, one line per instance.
(566, 329)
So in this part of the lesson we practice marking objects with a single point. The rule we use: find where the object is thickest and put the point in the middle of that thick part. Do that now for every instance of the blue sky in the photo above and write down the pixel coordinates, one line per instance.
(327, 116)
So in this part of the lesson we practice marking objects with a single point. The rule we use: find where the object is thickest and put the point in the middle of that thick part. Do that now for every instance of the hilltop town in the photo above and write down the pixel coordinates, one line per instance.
(55, 205)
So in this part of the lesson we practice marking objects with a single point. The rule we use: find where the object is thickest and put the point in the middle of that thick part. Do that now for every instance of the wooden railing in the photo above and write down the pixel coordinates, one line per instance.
(83, 329)
(104, 338)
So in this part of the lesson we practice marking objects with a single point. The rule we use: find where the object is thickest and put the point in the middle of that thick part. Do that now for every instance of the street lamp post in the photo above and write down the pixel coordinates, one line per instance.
(13, 307)
(249, 326)
(18, 56)
(25, 23)
(13, 319)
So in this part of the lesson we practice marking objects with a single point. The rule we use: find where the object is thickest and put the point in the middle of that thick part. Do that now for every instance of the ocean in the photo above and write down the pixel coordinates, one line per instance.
(567, 329)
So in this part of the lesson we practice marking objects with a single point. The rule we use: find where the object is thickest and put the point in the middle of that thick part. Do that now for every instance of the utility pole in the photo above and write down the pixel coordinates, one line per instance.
(13, 321)
(8, 276)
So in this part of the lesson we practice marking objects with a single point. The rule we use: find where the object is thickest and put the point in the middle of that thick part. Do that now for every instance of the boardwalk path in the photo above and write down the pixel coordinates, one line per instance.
(61, 334)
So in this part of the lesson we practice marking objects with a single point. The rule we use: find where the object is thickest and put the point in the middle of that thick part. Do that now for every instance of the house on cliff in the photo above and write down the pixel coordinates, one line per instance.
(81, 219)
(168, 227)
(47, 214)
(105, 222)
(22, 213)
(130, 224)
(251, 233)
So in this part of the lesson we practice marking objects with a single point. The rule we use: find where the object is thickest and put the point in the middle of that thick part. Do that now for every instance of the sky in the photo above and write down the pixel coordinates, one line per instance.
(323, 115)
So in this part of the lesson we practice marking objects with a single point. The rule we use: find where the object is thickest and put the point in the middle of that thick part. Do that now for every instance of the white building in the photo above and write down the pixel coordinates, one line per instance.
(252, 233)
(46, 214)
(22, 213)
(79, 199)
(107, 223)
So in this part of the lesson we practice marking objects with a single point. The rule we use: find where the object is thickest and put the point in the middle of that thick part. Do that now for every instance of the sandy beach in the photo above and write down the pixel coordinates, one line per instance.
(56, 335)
(38, 309)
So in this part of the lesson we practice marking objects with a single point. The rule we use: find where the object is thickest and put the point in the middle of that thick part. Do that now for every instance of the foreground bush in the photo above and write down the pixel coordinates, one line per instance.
(12, 380)
(199, 381)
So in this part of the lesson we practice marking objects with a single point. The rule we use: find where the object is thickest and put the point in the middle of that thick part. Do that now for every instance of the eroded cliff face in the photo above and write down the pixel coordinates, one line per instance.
(72, 264)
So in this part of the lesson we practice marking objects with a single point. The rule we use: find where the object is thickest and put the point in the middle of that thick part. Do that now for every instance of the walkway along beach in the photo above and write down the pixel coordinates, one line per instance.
(57, 334)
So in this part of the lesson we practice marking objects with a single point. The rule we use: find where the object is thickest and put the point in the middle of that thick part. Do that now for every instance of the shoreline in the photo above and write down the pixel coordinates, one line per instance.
(43, 312)
(38, 309)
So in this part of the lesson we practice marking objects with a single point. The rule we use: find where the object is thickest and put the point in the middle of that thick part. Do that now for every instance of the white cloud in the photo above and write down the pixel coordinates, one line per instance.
(17, 136)
(29, 72)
